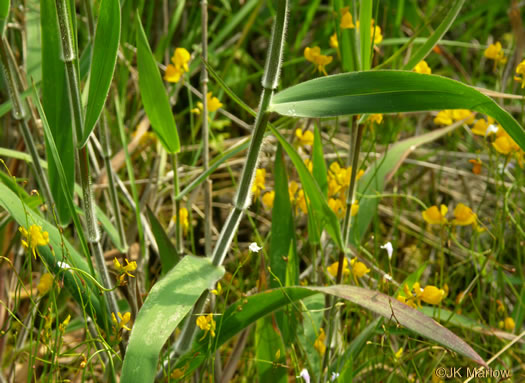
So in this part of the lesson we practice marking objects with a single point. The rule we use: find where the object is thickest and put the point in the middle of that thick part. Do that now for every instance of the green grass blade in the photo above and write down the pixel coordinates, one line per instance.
(365, 33)
(167, 252)
(104, 59)
(154, 97)
(55, 101)
(269, 350)
(433, 39)
(317, 201)
(386, 91)
(374, 180)
(319, 165)
(167, 304)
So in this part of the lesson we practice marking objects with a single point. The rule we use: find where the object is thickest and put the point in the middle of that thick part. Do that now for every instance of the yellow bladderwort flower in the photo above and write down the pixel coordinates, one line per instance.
(258, 184)
(435, 216)
(504, 144)
(354, 209)
(320, 61)
(213, 103)
(495, 52)
(218, 290)
(480, 127)
(461, 114)
(375, 32)
(293, 187)
(268, 199)
(520, 73)
(346, 19)
(305, 138)
(422, 67)
(45, 284)
(62, 326)
(124, 270)
(180, 60)
(509, 324)
(430, 294)
(376, 118)
(359, 269)
(334, 43)
(319, 342)
(399, 353)
(124, 320)
(337, 207)
(207, 324)
(309, 165)
(444, 117)
(34, 237)
(332, 269)
(464, 216)
(301, 201)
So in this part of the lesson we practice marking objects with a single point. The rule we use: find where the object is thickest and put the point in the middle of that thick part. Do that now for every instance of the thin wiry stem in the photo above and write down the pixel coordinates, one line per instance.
(242, 199)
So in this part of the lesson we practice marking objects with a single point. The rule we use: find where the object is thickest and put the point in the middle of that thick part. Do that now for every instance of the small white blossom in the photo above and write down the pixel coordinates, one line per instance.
(335, 375)
(491, 129)
(254, 247)
(389, 249)
(305, 375)
(387, 277)
(63, 265)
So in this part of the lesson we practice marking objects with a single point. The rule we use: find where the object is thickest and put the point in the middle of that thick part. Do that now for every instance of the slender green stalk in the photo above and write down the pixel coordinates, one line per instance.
(205, 134)
(69, 55)
(106, 154)
(356, 146)
(19, 112)
(242, 199)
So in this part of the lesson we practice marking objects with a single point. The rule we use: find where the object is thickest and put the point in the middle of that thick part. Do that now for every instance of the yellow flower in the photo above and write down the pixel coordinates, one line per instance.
(476, 166)
(218, 290)
(464, 216)
(407, 301)
(520, 73)
(45, 284)
(399, 353)
(130, 266)
(359, 269)
(332, 269)
(346, 19)
(258, 184)
(34, 237)
(180, 60)
(377, 118)
(509, 324)
(207, 324)
(337, 206)
(183, 217)
(444, 117)
(306, 138)
(213, 103)
(504, 144)
(293, 187)
(435, 216)
(376, 32)
(123, 320)
(319, 342)
(480, 127)
(422, 67)
(354, 209)
(461, 114)
(268, 198)
(430, 294)
(495, 52)
(62, 326)
(334, 43)
(309, 165)
(301, 201)
(320, 61)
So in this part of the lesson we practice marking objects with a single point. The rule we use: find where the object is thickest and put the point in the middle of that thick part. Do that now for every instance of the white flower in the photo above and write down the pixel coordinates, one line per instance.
(63, 265)
(491, 129)
(335, 375)
(305, 375)
(389, 249)
(387, 277)
(254, 247)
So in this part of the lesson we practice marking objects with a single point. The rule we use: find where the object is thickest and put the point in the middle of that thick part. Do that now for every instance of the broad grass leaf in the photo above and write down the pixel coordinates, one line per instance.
(320, 211)
(104, 59)
(55, 101)
(365, 33)
(319, 165)
(154, 97)
(167, 252)
(168, 302)
(269, 350)
(385, 91)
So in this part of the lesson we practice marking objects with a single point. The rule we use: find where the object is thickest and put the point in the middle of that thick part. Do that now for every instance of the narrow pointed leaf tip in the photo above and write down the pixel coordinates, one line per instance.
(387, 91)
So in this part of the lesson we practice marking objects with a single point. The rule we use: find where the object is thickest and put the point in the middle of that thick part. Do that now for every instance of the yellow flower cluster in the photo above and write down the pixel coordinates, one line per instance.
(207, 324)
(338, 183)
(304, 138)
(359, 269)
(520, 73)
(430, 294)
(319, 60)
(448, 116)
(297, 197)
(34, 237)
(319, 343)
(45, 284)
(180, 60)
(463, 216)
(258, 183)
(123, 321)
(124, 270)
